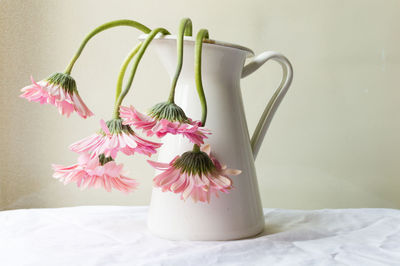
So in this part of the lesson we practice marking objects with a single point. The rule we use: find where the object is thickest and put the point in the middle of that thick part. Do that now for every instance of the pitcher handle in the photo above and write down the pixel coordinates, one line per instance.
(270, 109)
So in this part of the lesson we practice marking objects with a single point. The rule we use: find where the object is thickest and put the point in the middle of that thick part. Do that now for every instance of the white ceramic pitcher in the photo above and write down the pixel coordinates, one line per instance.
(237, 214)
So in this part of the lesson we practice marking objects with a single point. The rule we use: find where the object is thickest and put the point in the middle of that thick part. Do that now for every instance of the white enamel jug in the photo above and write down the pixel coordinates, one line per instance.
(237, 214)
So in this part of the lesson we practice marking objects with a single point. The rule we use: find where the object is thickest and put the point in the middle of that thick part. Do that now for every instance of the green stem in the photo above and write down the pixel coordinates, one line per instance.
(185, 29)
(196, 148)
(136, 62)
(123, 70)
(201, 35)
(108, 25)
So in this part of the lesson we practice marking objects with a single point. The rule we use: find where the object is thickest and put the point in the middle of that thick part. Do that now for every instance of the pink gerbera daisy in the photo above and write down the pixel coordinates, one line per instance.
(114, 137)
(59, 90)
(197, 174)
(165, 118)
(99, 171)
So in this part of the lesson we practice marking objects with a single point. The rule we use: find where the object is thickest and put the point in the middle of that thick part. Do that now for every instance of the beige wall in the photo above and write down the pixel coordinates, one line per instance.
(334, 142)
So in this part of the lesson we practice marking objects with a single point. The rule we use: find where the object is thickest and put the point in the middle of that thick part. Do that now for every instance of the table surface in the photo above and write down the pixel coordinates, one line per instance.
(113, 235)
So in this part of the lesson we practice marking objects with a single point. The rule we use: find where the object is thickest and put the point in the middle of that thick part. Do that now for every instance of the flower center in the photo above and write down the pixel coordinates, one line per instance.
(193, 162)
(63, 80)
(169, 111)
(103, 159)
(116, 127)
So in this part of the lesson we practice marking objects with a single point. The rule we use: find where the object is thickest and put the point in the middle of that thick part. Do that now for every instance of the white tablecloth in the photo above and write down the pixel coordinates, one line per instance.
(110, 235)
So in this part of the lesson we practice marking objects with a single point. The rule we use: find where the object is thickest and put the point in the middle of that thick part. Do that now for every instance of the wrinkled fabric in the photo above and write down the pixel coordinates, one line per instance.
(111, 235)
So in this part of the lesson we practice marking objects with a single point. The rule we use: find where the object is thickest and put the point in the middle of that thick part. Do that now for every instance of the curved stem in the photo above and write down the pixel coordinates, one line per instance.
(108, 25)
(185, 29)
(201, 35)
(136, 62)
(122, 71)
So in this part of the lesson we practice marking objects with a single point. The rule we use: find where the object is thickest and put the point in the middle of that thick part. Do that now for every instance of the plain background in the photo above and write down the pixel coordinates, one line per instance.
(334, 142)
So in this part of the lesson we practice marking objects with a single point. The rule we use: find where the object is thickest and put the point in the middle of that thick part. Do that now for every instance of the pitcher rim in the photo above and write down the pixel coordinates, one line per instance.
(190, 39)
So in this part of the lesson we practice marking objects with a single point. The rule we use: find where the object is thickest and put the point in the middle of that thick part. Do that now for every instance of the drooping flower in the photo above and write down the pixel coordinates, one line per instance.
(58, 90)
(165, 118)
(99, 171)
(112, 138)
(197, 174)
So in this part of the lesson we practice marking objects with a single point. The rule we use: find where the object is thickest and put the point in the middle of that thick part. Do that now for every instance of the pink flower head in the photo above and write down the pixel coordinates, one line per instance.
(95, 172)
(114, 137)
(58, 90)
(195, 174)
(160, 124)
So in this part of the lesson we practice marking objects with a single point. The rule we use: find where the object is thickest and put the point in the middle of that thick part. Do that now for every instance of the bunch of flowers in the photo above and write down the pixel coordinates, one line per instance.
(196, 173)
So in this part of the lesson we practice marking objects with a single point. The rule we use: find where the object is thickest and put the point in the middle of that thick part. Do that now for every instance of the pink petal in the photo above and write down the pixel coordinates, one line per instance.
(104, 127)
(157, 165)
